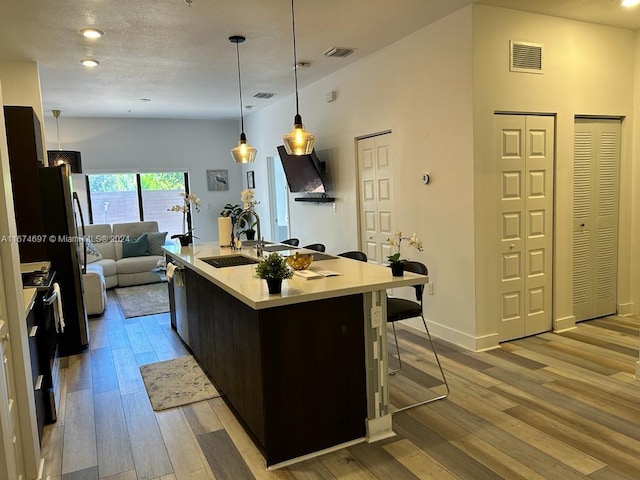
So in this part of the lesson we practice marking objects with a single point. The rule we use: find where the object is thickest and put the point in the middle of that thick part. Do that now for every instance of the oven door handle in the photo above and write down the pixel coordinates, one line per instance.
(50, 299)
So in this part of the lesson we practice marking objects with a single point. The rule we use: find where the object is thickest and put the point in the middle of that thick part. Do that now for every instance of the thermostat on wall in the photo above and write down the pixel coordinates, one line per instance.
(425, 178)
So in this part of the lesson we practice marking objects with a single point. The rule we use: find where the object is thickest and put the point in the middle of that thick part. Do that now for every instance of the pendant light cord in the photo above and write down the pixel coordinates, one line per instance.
(295, 59)
(58, 130)
(240, 88)
(56, 114)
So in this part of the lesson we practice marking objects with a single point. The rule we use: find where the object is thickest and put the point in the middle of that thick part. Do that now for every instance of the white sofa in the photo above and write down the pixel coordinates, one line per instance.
(110, 268)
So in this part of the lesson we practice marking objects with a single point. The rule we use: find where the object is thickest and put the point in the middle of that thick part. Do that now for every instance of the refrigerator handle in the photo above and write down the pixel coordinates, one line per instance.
(84, 244)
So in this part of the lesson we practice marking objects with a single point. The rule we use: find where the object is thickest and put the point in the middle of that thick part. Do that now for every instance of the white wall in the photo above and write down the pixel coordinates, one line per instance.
(635, 195)
(420, 88)
(20, 85)
(588, 70)
(437, 90)
(155, 145)
(21, 82)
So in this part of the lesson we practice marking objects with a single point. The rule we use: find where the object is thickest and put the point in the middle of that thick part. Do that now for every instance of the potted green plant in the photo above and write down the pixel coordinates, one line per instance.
(273, 268)
(250, 232)
(395, 262)
(234, 211)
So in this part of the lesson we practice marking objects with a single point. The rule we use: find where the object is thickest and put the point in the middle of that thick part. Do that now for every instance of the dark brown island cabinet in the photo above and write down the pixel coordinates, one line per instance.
(302, 371)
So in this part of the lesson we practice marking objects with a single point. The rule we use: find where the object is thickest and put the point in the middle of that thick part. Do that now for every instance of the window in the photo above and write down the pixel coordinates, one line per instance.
(131, 197)
(113, 198)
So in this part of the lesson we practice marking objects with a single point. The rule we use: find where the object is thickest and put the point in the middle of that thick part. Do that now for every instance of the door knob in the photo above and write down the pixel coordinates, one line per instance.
(512, 246)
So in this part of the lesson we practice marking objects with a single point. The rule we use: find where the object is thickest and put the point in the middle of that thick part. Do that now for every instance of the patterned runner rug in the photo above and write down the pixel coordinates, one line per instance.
(176, 382)
(143, 300)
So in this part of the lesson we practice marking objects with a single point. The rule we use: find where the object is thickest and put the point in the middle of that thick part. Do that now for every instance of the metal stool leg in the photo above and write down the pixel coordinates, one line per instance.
(391, 371)
(439, 397)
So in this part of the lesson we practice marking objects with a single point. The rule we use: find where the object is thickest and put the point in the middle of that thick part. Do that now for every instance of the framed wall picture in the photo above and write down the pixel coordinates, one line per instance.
(251, 180)
(218, 179)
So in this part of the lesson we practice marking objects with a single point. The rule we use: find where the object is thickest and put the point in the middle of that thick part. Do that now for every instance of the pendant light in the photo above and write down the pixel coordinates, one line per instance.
(298, 141)
(243, 153)
(60, 156)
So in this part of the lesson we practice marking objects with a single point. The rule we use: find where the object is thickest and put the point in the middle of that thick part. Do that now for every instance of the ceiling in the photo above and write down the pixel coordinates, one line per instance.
(172, 58)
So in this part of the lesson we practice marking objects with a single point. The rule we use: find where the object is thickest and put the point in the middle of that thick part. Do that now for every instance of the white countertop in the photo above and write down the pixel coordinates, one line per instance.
(34, 267)
(28, 295)
(357, 277)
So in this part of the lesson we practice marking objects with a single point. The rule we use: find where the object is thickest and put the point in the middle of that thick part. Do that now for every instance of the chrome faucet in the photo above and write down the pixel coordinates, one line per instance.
(260, 241)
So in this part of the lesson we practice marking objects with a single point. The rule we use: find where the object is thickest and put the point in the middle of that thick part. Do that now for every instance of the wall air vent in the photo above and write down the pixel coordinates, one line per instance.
(263, 95)
(525, 57)
(339, 52)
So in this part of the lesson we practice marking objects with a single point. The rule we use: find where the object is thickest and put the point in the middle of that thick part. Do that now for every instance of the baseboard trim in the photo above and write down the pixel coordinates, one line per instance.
(475, 344)
(625, 309)
(564, 324)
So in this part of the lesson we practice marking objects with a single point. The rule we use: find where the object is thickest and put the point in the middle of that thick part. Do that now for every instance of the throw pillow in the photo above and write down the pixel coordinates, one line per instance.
(93, 255)
(155, 242)
(135, 248)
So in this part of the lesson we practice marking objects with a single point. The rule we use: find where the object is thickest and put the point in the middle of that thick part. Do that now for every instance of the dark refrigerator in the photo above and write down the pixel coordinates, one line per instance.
(65, 249)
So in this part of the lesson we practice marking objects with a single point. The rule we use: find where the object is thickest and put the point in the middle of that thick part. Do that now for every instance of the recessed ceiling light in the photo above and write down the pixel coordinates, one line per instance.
(629, 3)
(92, 32)
(89, 62)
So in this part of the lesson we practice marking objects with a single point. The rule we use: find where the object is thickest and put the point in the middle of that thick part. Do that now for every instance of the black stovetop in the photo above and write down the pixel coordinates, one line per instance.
(38, 279)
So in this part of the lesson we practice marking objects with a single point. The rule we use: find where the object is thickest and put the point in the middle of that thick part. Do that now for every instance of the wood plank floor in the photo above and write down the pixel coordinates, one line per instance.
(554, 406)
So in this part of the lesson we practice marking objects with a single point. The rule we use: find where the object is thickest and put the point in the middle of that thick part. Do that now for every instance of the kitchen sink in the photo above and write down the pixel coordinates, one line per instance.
(277, 248)
(229, 261)
(252, 243)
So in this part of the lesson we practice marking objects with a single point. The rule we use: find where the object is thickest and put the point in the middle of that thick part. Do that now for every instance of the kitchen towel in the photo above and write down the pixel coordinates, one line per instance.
(57, 308)
(174, 274)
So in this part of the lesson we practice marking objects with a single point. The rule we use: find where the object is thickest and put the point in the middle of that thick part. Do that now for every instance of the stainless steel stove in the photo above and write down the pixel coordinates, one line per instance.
(37, 274)
(39, 280)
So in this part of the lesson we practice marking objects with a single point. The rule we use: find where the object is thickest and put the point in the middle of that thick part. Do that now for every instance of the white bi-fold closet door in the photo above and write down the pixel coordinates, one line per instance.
(595, 216)
(524, 149)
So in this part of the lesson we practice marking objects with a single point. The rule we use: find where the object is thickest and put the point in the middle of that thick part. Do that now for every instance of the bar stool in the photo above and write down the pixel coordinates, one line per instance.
(355, 255)
(318, 247)
(402, 309)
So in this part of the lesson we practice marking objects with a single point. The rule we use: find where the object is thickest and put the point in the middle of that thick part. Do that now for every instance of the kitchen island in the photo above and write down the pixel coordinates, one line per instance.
(305, 371)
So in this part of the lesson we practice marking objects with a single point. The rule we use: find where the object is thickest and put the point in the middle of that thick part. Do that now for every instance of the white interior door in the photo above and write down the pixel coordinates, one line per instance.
(525, 156)
(595, 217)
(377, 219)
(10, 439)
(278, 200)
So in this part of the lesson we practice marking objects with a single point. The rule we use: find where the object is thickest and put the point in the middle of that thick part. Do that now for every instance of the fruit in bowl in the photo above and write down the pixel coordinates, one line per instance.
(299, 261)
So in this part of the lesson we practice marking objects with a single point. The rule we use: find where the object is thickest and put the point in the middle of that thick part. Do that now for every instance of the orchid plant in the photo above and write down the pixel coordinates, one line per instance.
(189, 201)
(396, 241)
(247, 196)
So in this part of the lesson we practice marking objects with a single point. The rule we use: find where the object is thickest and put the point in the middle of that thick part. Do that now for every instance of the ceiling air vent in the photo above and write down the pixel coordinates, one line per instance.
(263, 95)
(525, 57)
(339, 52)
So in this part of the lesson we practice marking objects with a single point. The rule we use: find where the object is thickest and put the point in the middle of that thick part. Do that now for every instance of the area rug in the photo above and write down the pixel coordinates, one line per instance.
(176, 382)
(142, 300)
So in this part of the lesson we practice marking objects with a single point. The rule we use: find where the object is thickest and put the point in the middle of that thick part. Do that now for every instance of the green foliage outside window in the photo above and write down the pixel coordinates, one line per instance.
(126, 182)
(162, 181)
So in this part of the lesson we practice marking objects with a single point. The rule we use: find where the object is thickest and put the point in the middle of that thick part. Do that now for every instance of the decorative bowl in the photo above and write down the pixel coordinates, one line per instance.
(299, 261)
